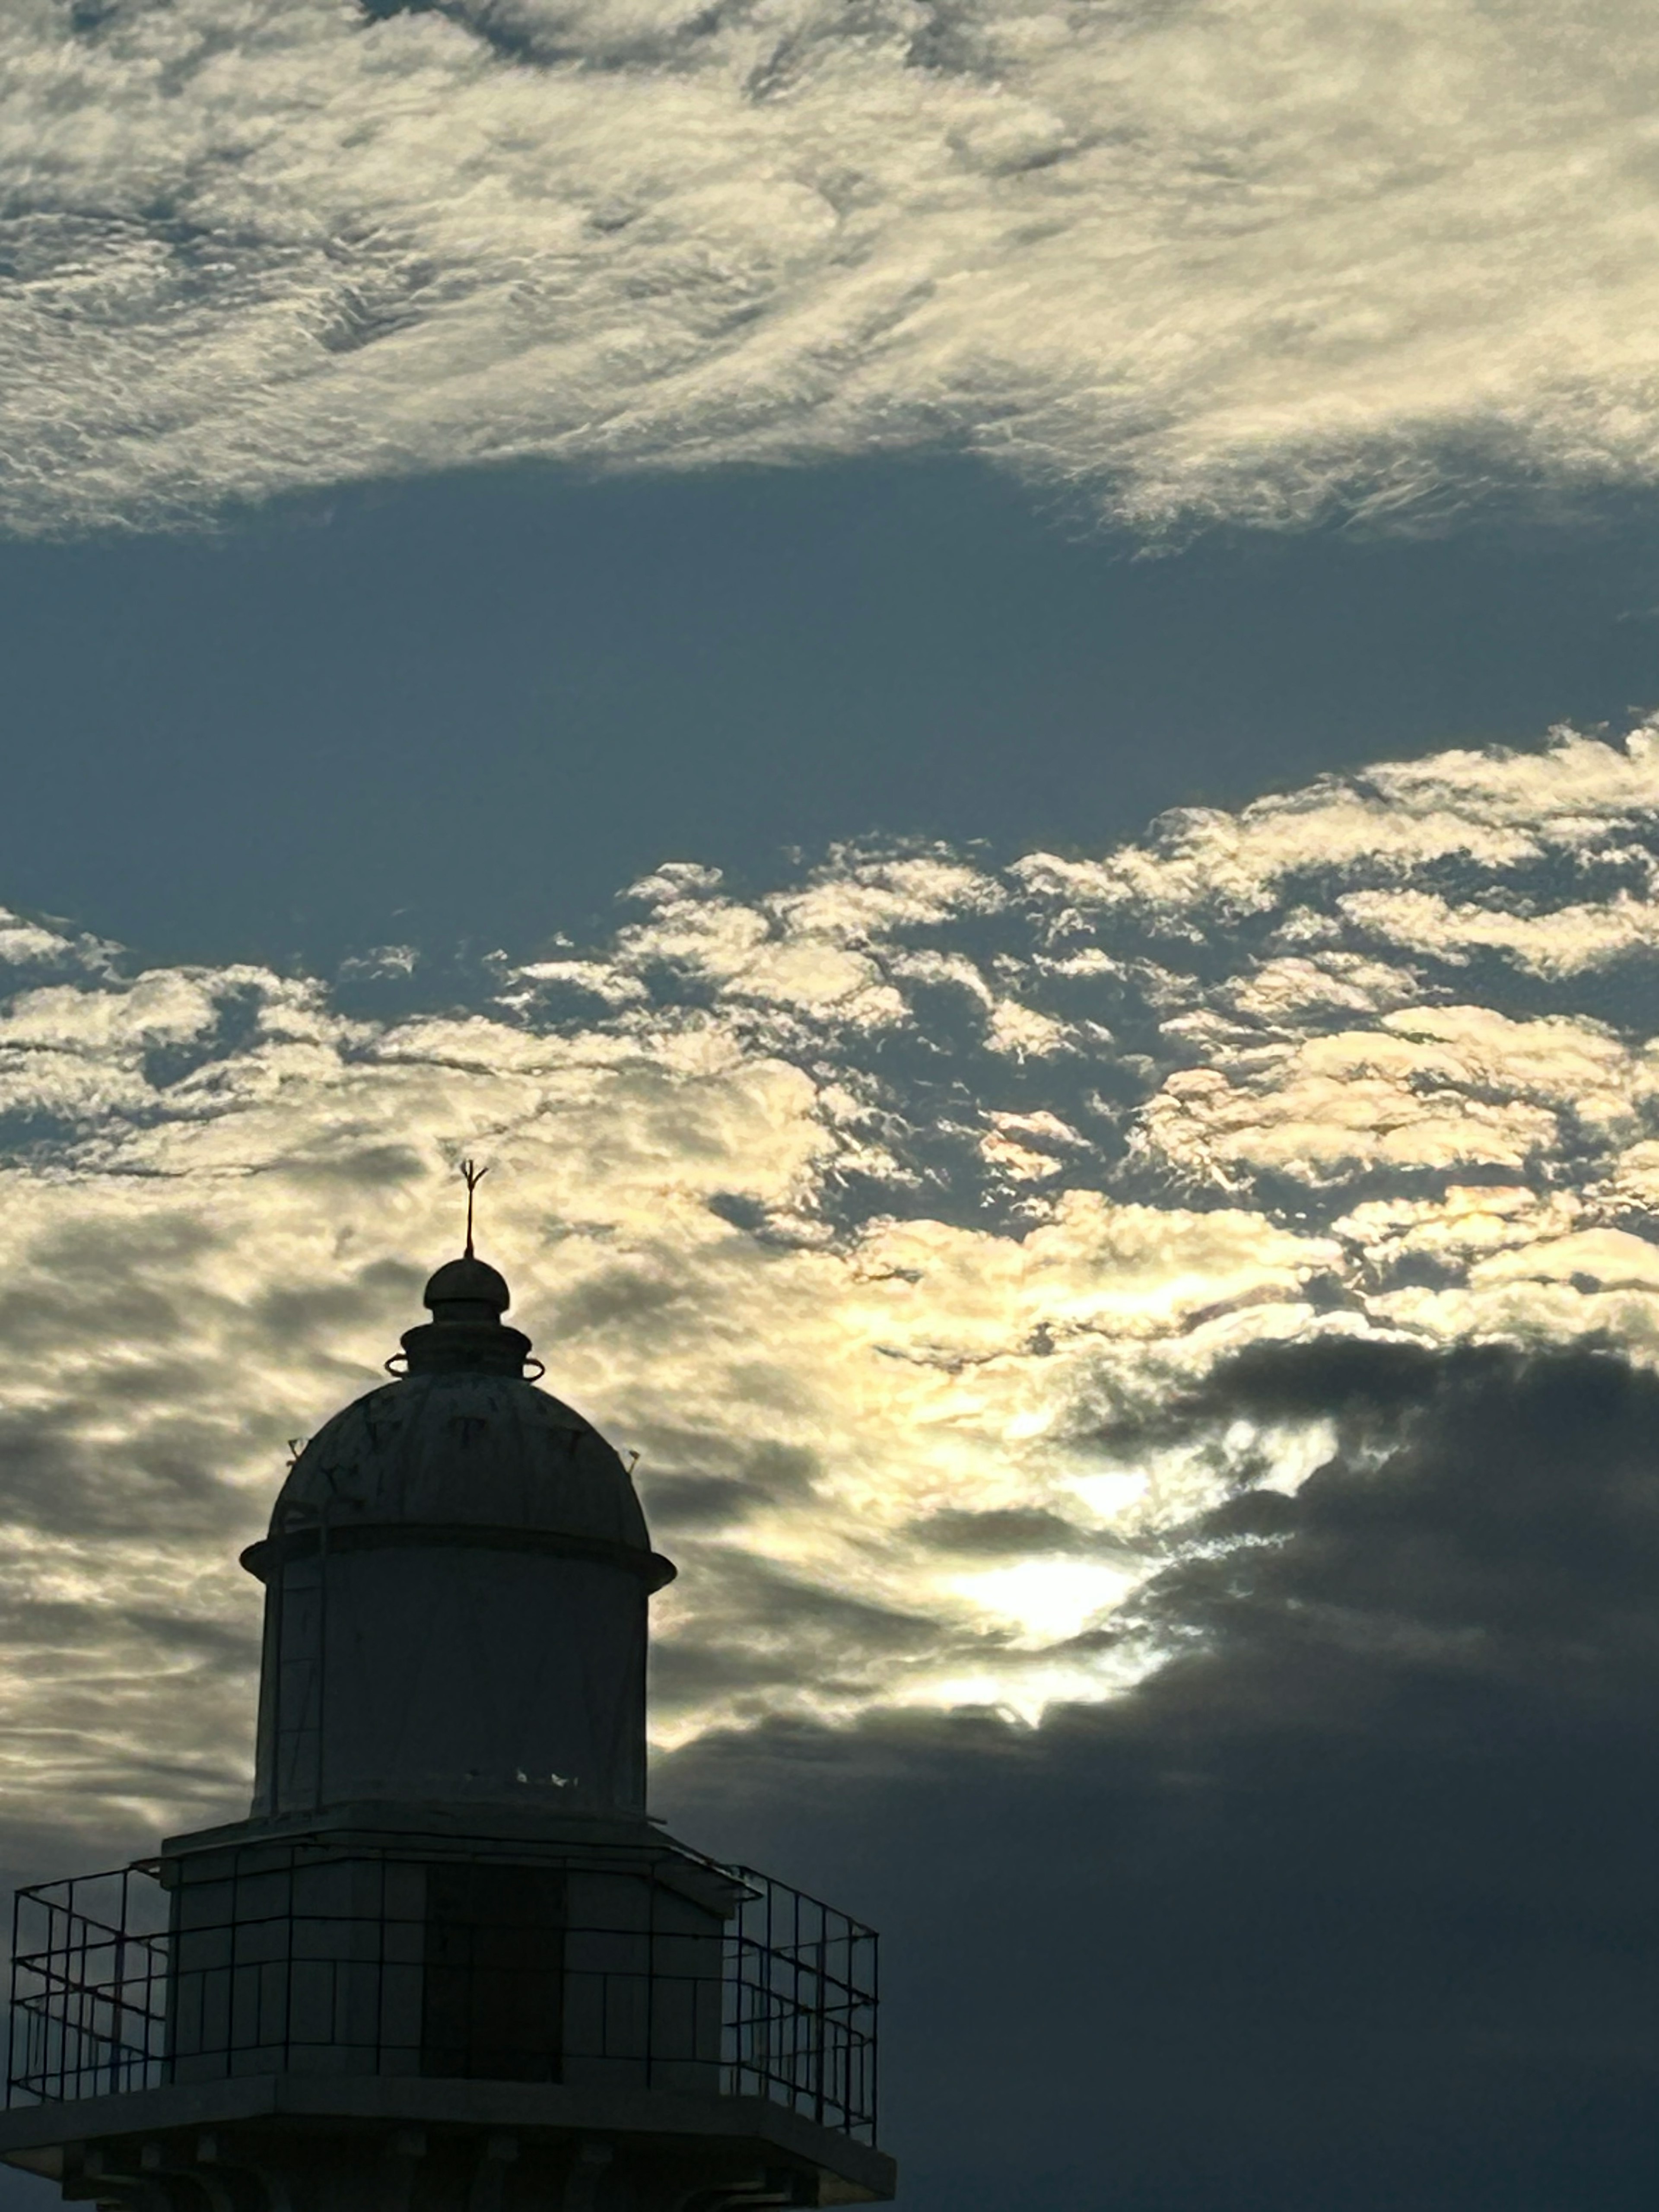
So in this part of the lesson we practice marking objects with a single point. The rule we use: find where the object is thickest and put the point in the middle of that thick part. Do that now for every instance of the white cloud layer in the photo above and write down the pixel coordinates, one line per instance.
(1243, 258)
(881, 1214)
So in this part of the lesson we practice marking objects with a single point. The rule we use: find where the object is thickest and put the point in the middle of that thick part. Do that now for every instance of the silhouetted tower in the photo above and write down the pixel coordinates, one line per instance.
(448, 1964)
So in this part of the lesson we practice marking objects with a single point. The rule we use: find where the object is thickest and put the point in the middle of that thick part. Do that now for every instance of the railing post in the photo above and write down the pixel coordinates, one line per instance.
(11, 2025)
(115, 2002)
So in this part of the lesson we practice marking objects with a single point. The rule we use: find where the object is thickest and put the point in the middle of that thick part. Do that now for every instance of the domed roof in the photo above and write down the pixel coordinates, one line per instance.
(462, 1439)
(480, 1449)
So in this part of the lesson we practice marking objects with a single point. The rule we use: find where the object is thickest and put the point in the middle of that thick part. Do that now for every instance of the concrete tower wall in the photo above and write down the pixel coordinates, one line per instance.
(464, 1673)
(363, 1956)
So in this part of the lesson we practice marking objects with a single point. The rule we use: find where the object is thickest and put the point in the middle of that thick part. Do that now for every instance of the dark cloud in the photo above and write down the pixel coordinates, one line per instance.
(1511, 1528)
(1355, 1903)
(1010, 1534)
(99, 1283)
(733, 1477)
(754, 1623)
(696, 1501)
(375, 1166)
(620, 1294)
(305, 1313)
(58, 1476)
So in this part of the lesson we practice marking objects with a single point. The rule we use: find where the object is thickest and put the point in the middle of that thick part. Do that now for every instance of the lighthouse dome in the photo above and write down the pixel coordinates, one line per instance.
(464, 1441)
(455, 1585)
(456, 1449)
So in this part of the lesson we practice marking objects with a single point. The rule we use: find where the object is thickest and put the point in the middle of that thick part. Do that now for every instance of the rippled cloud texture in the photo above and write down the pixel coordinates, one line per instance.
(909, 1220)
(1244, 257)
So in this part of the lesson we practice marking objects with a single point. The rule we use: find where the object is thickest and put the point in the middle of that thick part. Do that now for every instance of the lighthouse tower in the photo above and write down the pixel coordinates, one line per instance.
(448, 1963)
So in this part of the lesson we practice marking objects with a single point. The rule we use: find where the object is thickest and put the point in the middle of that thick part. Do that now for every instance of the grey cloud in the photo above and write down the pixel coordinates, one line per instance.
(1358, 1380)
(781, 1470)
(754, 1630)
(758, 1598)
(300, 1313)
(1349, 1903)
(1511, 1528)
(60, 1475)
(128, 1713)
(1008, 1533)
(761, 1473)
(378, 1166)
(687, 1676)
(696, 1501)
(619, 1296)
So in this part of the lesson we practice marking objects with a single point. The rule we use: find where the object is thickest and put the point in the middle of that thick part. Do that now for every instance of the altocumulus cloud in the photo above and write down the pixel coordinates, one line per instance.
(912, 1220)
(1245, 258)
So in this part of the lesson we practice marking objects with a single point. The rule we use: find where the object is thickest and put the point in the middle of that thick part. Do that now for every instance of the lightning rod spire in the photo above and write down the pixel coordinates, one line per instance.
(472, 1176)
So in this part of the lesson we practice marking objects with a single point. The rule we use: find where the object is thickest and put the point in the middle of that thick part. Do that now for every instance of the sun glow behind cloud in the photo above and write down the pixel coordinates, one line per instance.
(1047, 1602)
(885, 1215)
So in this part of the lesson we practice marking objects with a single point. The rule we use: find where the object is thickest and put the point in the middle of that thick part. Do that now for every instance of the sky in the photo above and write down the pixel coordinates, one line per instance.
(975, 685)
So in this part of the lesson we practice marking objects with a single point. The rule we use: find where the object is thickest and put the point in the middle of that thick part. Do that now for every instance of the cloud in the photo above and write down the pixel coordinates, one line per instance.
(1214, 258)
(1348, 1902)
(893, 1314)
(1456, 1088)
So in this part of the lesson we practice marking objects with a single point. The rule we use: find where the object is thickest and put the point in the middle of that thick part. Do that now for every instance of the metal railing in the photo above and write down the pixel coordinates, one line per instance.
(800, 2026)
(332, 1958)
(88, 1986)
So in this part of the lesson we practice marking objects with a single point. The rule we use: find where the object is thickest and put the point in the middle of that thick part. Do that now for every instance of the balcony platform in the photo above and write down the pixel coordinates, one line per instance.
(744, 2150)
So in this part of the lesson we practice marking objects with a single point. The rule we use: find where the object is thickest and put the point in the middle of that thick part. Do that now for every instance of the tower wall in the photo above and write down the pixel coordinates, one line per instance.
(359, 1955)
(463, 1673)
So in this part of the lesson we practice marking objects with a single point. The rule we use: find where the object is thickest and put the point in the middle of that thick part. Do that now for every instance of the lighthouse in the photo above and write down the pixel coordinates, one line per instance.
(449, 1962)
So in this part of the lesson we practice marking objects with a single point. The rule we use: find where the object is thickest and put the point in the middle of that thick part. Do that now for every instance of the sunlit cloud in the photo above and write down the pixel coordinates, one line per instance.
(1229, 258)
(894, 1316)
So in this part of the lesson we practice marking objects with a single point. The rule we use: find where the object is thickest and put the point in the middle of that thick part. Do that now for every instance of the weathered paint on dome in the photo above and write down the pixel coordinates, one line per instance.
(464, 1447)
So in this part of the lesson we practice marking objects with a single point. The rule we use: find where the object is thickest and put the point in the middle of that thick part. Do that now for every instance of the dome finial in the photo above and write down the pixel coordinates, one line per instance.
(466, 1299)
(472, 1176)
